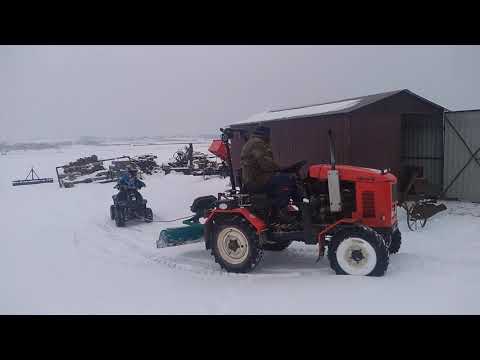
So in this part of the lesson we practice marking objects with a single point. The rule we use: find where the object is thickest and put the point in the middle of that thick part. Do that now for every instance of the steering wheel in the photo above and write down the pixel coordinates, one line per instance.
(295, 168)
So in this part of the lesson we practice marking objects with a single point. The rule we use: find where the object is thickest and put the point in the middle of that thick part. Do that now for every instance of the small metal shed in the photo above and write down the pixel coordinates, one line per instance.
(462, 155)
(387, 130)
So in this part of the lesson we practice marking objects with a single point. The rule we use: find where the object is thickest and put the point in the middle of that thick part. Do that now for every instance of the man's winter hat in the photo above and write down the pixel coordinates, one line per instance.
(262, 131)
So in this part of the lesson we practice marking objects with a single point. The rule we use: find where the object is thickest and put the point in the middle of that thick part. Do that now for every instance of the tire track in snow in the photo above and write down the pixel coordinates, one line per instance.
(207, 271)
(127, 246)
(109, 244)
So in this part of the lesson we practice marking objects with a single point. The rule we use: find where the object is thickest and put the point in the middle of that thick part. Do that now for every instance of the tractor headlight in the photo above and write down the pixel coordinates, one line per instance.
(223, 206)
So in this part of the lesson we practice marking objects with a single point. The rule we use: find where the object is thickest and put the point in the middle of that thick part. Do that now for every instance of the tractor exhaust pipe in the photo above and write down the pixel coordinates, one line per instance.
(333, 179)
(332, 149)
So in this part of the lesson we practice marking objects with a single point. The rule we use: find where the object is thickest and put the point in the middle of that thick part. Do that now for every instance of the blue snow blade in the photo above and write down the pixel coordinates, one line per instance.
(191, 233)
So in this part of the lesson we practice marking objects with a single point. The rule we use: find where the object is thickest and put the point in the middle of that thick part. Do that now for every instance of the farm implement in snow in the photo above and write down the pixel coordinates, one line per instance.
(196, 163)
(419, 199)
(32, 179)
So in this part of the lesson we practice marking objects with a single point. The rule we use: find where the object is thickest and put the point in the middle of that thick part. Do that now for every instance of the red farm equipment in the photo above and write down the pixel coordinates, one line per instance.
(348, 211)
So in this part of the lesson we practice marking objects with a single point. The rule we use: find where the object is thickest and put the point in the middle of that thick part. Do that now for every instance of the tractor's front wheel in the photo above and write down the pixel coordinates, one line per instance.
(358, 251)
(235, 248)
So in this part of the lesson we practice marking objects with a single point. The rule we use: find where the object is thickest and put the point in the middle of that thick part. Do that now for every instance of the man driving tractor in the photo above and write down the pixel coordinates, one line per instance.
(260, 172)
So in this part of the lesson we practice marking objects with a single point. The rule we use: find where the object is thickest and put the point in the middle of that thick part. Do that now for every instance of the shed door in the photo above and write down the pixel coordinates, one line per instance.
(422, 146)
(462, 155)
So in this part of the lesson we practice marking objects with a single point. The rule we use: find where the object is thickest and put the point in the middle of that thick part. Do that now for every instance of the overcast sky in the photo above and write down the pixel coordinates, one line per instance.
(61, 92)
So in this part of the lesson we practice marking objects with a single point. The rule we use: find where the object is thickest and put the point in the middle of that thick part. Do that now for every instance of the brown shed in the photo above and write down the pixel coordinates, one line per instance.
(387, 130)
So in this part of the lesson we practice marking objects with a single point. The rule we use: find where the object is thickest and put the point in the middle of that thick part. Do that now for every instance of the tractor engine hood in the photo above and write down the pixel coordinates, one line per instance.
(352, 173)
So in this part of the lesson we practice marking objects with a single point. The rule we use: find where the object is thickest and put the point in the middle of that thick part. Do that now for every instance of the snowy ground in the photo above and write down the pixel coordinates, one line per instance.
(61, 254)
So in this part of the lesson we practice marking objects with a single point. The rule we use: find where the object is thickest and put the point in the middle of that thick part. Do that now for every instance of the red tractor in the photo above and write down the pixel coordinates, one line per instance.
(349, 211)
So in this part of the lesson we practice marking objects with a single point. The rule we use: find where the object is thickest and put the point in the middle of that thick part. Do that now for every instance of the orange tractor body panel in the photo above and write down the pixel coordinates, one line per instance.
(374, 193)
(257, 223)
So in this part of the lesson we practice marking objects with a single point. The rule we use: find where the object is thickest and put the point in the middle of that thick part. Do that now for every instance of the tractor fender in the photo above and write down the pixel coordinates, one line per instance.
(226, 215)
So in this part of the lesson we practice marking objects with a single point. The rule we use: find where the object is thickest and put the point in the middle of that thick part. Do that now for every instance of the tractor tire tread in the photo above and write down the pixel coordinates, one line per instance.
(369, 235)
(256, 251)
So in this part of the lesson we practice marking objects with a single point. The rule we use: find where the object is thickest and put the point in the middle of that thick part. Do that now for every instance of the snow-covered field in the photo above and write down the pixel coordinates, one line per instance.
(61, 254)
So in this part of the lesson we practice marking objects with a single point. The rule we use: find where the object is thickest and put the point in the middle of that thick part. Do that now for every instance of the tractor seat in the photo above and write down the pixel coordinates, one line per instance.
(260, 200)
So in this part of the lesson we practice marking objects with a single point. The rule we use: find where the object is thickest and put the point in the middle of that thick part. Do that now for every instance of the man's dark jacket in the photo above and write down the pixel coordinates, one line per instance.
(256, 161)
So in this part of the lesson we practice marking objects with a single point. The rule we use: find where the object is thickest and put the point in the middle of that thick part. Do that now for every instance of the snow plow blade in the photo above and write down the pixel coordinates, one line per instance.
(191, 233)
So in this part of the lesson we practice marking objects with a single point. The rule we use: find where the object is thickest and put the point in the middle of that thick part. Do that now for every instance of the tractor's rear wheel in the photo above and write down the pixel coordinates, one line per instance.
(235, 248)
(277, 246)
(112, 212)
(358, 251)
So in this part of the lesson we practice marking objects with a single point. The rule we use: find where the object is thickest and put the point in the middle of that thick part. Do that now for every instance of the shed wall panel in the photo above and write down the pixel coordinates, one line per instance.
(376, 140)
(467, 186)
(422, 145)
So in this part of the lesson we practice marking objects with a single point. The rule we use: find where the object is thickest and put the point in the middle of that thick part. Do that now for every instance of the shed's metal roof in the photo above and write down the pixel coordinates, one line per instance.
(328, 108)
